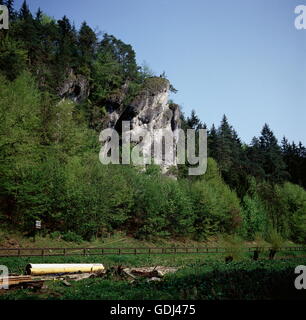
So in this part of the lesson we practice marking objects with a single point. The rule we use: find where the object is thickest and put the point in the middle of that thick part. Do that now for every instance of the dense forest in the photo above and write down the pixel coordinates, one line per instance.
(49, 168)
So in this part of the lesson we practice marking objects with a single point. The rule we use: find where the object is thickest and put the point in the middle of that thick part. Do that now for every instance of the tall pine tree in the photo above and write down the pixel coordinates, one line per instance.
(272, 161)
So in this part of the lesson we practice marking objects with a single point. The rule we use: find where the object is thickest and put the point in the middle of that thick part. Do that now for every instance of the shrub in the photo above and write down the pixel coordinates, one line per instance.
(233, 247)
(71, 236)
(55, 235)
(275, 239)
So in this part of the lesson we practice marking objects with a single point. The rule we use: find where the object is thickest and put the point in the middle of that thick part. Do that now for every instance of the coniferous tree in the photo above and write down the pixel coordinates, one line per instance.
(255, 160)
(66, 57)
(193, 122)
(122, 53)
(212, 142)
(87, 41)
(224, 146)
(24, 12)
(11, 9)
(38, 14)
(273, 163)
(295, 158)
(229, 155)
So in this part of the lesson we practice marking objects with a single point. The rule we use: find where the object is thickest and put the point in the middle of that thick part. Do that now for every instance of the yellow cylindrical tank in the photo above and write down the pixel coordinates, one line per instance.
(53, 268)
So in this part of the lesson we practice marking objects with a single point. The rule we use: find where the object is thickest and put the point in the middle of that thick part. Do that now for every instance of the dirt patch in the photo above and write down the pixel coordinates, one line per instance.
(9, 243)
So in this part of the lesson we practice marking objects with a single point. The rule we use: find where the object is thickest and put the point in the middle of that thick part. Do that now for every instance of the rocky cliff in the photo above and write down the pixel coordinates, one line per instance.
(150, 110)
(75, 87)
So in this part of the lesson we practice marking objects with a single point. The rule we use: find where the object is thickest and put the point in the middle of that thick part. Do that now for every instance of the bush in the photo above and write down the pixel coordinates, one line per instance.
(56, 235)
(260, 241)
(233, 247)
(71, 236)
(243, 280)
(275, 239)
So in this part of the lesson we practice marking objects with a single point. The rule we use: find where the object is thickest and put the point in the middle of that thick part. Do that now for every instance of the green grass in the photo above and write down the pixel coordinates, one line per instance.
(118, 240)
(208, 280)
(201, 276)
(17, 265)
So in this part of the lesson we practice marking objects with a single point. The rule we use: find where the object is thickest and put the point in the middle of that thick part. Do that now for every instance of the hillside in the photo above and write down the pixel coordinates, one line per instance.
(59, 87)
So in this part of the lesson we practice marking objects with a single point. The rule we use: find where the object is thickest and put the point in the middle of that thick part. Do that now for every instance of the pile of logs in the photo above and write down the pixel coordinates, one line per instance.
(36, 282)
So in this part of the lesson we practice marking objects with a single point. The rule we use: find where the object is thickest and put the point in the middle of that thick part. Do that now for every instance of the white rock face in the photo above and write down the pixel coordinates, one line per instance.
(150, 116)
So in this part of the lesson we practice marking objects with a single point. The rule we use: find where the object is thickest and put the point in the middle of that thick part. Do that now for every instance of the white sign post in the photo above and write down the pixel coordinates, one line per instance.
(37, 227)
(37, 224)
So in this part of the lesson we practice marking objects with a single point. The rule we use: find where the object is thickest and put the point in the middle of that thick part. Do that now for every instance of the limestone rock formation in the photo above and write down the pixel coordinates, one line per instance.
(75, 87)
(150, 110)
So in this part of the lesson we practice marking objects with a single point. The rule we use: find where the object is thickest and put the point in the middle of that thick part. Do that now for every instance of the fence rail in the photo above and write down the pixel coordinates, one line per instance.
(50, 252)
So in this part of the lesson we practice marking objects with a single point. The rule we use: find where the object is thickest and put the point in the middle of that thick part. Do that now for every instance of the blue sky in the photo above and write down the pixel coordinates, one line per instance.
(242, 58)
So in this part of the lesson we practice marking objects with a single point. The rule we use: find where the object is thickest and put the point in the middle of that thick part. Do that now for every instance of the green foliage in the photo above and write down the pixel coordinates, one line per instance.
(254, 217)
(49, 168)
(50, 171)
(269, 207)
(212, 280)
(100, 203)
(233, 246)
(71, 236)
(268, 161)
(13, 59)
(225, 147)
(161, 208)
(19, 137)
(293, 199)
(216, 207)
(153, 170)
(87, 42)
(31, 164)
(260, 241)
(154, 84)
(295, 158)
(275, 240)
(106, 76)
(56, 235)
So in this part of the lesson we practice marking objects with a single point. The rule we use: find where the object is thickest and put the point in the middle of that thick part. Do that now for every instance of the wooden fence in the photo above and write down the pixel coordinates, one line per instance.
(48, 252)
